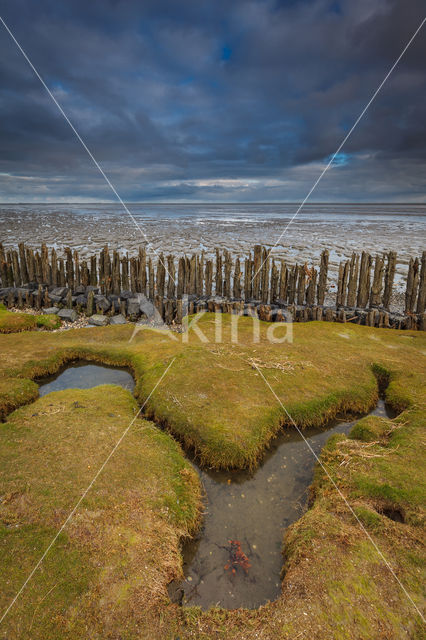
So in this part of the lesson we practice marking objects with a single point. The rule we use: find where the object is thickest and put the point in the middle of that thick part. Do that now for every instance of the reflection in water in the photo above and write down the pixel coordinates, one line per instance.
(82, 375)
(253, 509)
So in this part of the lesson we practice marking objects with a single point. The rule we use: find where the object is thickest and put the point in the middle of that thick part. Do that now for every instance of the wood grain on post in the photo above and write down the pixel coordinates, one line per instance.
(30, 265)
(23, 262)
(377, 285)
(264, 276)
(227, 275)
(200, 275)
(209, 277)
(322, 279)
(38, 268)
(274, 283)
(389, 278)
(421, 299)
(301, 284)
(85, 275)
(171, 285)
(218, 276)
(181, 278)
(248, 266)
(412, 284)
(76, 269)
(292, 281)
(311, 288)
(16, 269)
(134, 274)
(193, 275)
(237, 279)
(3, 266)
(93, 271)
(61, 273)
(257, 263)
(364, 280)
(142, 280)
(353, 280)
(151, 277)
(161, 276)
(54, 265)
(283, 281)
(69, 268)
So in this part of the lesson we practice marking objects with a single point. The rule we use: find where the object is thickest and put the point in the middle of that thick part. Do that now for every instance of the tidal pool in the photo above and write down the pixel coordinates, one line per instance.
(84, 375)
(244, 511)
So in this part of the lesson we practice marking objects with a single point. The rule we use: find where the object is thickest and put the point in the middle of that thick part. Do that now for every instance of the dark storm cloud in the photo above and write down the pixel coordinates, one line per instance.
(241, 100)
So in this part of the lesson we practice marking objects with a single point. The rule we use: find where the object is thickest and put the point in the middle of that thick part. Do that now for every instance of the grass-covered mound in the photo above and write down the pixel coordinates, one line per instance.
(336, 585)
(13, 322)
(213, 397)
(110, 566)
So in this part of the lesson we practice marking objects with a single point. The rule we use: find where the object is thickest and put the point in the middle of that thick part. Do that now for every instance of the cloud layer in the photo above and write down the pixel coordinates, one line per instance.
(226, 101)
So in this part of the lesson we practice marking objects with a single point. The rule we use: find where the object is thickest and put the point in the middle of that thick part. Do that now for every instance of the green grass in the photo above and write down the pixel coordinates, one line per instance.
(14, 322)
(124, 540)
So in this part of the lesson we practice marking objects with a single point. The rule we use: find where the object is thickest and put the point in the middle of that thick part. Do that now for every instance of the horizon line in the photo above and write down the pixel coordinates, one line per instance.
(207, 202)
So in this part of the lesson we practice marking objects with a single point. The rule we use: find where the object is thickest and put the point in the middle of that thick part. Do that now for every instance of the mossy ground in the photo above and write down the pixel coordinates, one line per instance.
(11, 322)
(123, 542)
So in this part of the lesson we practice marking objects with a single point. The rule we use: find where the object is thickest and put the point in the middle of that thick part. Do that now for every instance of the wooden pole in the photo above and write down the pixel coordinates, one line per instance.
(322, 280)
(412, 284)
(364, 280)
(422, 286)
(389, 278)
(377, 285)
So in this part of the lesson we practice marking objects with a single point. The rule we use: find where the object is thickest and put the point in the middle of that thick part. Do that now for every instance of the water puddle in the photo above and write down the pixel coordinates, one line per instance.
(249, 513)
(83, 375)
(235, 561)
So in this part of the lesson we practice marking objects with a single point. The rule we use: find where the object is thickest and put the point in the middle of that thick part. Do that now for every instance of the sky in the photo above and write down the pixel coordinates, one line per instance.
(212, 101)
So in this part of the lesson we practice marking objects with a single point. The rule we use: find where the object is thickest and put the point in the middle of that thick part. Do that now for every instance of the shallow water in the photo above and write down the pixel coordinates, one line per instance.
(254, 509)
(251, 508)
(82, 375)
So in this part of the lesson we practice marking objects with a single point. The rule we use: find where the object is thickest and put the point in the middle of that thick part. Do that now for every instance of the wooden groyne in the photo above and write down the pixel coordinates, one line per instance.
(258, 284)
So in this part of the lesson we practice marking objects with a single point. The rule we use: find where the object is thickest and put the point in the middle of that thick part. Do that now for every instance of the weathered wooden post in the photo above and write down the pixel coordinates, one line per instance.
(364, 280)
(23, 262)
(301, 284)
(218, 278)
(151, 284)
(200, 275)
(353, 280)
(389, 278)
(209, 277)
(181, 277)
(171, 286)
(322, 280)
(283, 282)
(257, 264)
(237, 279)
(412, 284)
(311, 288)
(377, 286)
(421, 299)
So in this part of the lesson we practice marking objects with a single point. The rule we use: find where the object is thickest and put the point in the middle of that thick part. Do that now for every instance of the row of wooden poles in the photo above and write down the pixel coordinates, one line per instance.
(362, 281)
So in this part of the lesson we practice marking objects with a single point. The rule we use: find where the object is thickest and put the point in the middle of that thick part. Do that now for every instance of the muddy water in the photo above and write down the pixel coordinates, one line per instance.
(83, 375)
(253, 509)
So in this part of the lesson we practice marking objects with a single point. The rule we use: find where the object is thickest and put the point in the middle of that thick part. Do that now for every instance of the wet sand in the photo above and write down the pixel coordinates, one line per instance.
(186, 229)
